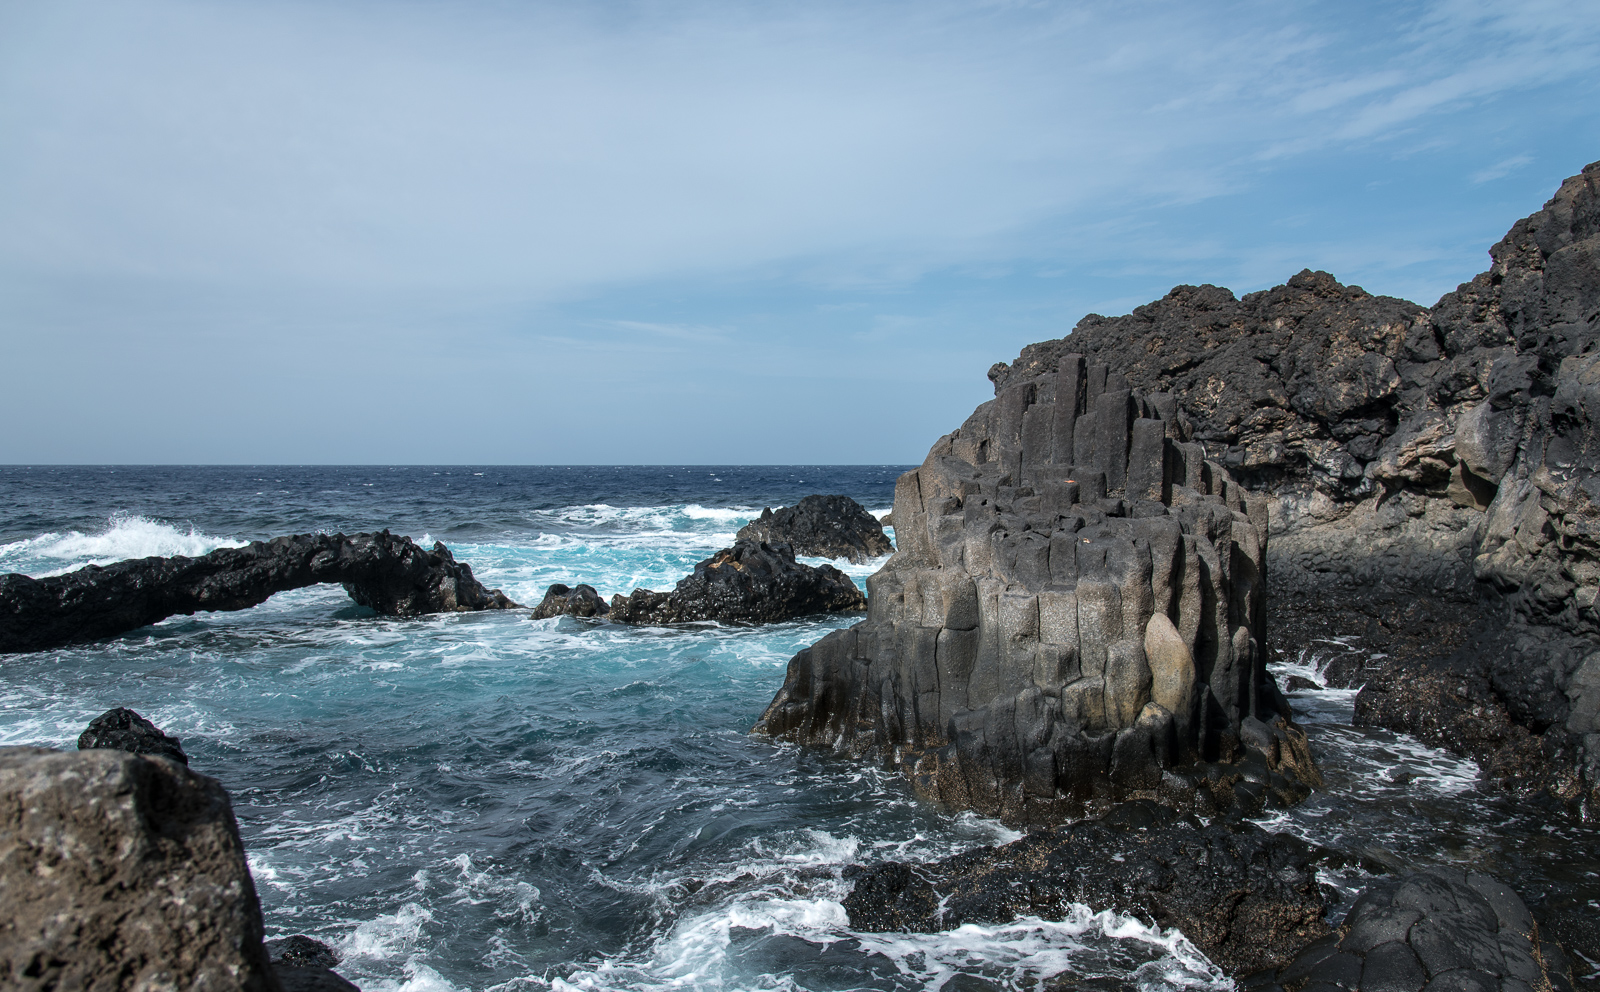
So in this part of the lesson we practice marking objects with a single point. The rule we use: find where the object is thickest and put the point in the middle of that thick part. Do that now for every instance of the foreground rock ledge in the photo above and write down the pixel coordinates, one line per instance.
(122, 871)
(392, 575)
(1077, 607)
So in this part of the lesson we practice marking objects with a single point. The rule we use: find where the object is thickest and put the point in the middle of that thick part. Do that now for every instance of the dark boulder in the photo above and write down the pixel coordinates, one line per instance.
(1245, 897)
(751, 582)
(822, 526)
(304, 964)
(1440, 929)
(124, 730)
(392, 575)
(577, 601)
(122, 871)
(1076, 607)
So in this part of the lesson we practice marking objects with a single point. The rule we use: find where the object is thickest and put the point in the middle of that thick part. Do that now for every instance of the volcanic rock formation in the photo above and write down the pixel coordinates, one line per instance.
(824, 526)
(1077, 605)
(751, 582)
(578, 601)
(122, 871)
(1433, 478)
(1439, 929)
(392, 575)
(1248, 899)
(124, 730)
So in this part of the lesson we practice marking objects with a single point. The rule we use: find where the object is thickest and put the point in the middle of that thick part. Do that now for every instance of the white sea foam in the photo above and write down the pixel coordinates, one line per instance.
(126, 536)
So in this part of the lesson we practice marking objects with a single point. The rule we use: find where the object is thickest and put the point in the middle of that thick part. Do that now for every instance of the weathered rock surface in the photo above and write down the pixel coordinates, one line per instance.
(1449, 455)
(751, 582)
(1076, 607)
(822, 526)
(1246, 898)
(124, 730)
(577, 601)
(122, 871)
(1441, 929)
(304, 964)
(392, 575)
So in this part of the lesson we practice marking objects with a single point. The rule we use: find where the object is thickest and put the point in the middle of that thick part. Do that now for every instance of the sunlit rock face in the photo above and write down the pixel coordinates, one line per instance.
(1075, 615)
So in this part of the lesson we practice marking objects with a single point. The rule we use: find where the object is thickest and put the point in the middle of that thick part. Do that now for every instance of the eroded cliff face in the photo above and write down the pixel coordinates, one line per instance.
(1433, 477)
(1075, 615)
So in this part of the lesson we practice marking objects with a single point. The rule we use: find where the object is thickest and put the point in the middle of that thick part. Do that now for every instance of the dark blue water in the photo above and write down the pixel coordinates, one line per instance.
(489, 802)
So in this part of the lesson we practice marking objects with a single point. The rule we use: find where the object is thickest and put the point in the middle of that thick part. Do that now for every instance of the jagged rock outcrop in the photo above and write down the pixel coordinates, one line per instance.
(577, 601)
(122, 871)
(304, 964)
(392, 575)
(822, 526)
(1247, 898)
(1441, 929)
(1076, 607)
(124, 730)
(751, 582)
(1417, 463)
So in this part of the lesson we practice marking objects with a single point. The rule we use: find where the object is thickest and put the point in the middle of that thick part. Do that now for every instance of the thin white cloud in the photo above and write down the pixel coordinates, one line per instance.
(1501, 169)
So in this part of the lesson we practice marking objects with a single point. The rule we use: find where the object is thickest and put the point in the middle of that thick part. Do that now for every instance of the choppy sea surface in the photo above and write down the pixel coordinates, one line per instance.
(483, 801)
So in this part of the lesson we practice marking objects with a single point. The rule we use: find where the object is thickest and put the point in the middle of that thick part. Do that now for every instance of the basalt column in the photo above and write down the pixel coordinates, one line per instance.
(1075, 615)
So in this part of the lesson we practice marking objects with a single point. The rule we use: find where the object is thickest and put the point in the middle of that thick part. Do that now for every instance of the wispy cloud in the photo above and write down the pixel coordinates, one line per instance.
(1502, 168)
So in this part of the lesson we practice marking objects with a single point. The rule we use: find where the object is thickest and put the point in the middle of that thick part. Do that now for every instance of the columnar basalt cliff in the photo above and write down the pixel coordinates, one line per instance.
(1433, 478)
(392, 575)
(1076, 608)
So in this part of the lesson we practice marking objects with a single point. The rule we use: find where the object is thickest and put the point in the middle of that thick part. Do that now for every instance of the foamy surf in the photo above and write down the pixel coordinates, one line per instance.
(126, 536)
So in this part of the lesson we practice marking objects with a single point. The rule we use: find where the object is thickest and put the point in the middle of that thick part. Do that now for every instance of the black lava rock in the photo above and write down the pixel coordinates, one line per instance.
(577, 601)
(751, 582)
(392, 575)
(304, 964)
(824, 526)
(124, 730)
(1246, 897)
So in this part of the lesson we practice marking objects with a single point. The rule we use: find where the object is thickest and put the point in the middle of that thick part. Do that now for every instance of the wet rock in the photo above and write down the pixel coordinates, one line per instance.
(124, 730)
(1439, 929)
(122, 871)
(751, 582)
(822, 526)
(1076, 607)
(392, 575)
(578, 601)
(304, 964)
(1247, 898)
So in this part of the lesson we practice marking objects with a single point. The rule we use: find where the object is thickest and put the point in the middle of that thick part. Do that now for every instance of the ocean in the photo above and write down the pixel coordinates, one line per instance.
(486, 802)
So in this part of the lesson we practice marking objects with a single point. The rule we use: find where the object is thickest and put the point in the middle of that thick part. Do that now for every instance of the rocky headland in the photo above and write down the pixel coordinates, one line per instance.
(393, 575)
(824, 527)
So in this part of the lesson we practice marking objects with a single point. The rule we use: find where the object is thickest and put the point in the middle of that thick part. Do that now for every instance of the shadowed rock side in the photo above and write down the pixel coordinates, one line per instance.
(304, 964)
(122, 871)
(1441, 930)
(124, 730)
(823, 526)
(751, 582)
(1077, 607)
(1433, 477)
(1248, 899)
(577, 601)
(390, 574)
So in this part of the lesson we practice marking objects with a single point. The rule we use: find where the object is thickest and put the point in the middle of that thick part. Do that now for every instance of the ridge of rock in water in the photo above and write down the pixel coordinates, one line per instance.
(1247, 898)
(1432, 478)
(392, 575)
(1076, 607)
(751, 582)
(824, 526)
(122, 729)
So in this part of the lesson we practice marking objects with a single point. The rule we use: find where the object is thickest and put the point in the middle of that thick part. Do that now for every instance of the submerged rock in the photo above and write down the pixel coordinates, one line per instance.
(822, 526)
(1440, 929)
(751, 582)
(1247, 898)
(1076, 608)
(122, 871)
(577, 601)
(124, 730)
(392, 575)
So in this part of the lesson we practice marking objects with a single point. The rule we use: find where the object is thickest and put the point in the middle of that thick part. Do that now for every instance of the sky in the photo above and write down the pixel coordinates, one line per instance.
(485, 232)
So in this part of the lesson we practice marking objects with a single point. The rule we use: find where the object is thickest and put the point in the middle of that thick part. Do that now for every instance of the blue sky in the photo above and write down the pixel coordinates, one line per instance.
(478, 231)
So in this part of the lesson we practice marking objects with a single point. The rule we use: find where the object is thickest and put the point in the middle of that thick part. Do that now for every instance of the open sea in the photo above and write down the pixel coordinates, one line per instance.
(486, 802)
